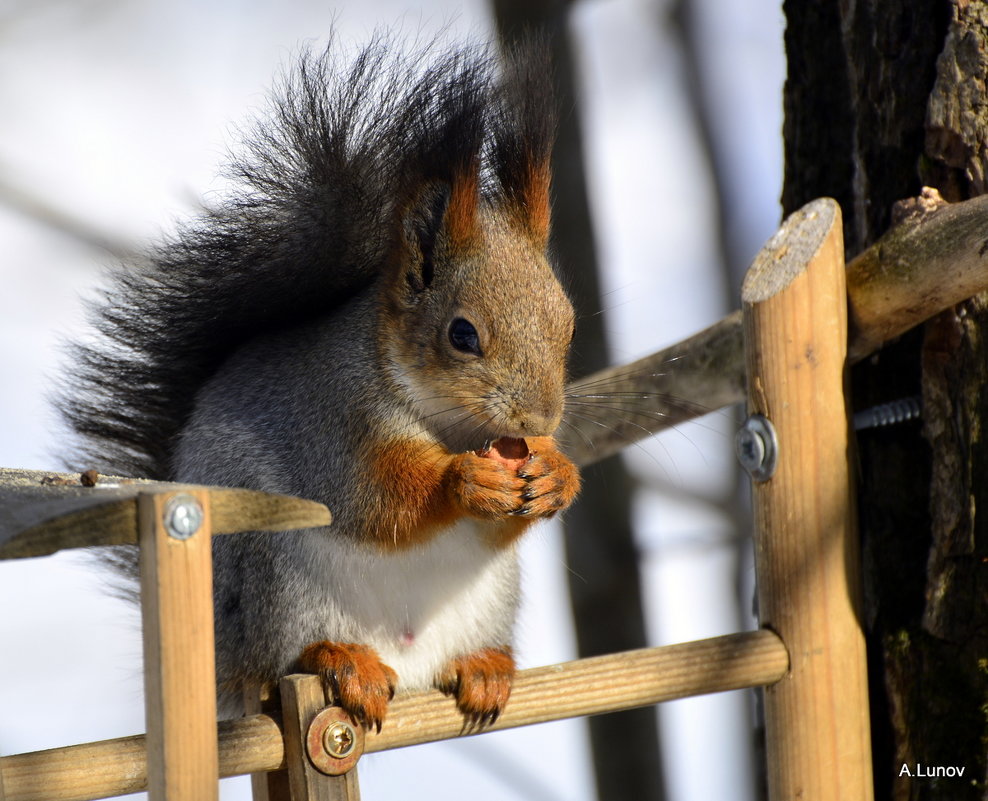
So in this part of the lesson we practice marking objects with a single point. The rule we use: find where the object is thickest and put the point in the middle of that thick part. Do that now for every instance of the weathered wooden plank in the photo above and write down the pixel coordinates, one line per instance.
(42, 512)
(932, 258)
(612, 408)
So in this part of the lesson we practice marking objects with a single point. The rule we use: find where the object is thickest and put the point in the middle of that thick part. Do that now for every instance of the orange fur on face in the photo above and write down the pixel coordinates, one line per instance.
(461, 213)
(535, 196)
(480, 683)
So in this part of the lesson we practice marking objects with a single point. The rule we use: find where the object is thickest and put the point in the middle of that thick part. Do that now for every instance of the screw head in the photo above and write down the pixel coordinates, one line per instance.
(333, 741)
(183, 516)
(757, 447)
(339, 739)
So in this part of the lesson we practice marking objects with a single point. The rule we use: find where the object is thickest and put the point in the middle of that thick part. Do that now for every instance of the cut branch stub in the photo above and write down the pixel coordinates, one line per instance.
(926, 263)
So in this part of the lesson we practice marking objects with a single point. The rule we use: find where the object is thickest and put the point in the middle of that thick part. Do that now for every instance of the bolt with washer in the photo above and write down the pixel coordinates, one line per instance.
(183, 516)
(757, 447)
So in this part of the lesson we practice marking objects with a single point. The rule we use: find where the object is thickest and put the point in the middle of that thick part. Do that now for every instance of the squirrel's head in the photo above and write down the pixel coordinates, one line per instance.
(476, 325)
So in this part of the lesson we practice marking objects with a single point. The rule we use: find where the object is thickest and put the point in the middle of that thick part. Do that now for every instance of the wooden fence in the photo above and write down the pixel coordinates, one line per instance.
(804, 316)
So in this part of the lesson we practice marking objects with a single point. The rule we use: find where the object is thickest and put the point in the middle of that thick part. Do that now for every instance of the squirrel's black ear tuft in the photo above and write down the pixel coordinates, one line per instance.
(443, 128)
(522, 134)
(422, 224)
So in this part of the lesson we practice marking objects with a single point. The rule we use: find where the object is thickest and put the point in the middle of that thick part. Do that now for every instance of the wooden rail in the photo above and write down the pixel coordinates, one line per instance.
(179, 661)
(584, 687)
(43, 512)
(173, 524)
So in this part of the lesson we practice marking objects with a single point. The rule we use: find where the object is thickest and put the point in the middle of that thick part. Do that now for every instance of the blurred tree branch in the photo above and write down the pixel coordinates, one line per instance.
(604, 579)
(44, 213)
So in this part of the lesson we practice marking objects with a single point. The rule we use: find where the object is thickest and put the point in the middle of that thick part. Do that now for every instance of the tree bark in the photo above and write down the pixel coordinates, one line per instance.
(884, 96)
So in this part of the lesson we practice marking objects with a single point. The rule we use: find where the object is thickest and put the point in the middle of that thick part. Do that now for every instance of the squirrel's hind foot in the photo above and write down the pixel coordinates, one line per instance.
(480, 682)
(355, 677)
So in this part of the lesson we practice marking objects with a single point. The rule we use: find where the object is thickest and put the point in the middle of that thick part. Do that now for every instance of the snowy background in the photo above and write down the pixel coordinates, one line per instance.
(115, 117)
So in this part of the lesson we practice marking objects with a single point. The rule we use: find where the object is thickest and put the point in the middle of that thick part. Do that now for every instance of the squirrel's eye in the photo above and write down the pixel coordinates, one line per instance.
(463, 336)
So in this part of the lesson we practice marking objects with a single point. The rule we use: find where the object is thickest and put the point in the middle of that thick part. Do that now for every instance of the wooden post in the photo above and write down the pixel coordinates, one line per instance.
(302, 698)
(794, 305)
(179, 662)
(262, 699)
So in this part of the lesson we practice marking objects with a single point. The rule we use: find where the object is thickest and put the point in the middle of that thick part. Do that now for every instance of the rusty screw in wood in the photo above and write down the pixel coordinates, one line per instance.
(183, 516)
(339, 739)
(333, 741)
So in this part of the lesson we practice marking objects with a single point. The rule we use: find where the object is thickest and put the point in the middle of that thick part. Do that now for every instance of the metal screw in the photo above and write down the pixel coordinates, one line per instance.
(887, 414)
(757, 447)
(339, 739)
(183, 516)
(333, 741)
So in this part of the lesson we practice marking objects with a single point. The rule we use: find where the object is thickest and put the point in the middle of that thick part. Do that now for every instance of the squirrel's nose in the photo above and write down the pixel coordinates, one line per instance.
(542, 422)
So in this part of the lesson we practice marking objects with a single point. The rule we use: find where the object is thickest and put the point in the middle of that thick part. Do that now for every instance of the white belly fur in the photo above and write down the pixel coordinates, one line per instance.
(421, 607)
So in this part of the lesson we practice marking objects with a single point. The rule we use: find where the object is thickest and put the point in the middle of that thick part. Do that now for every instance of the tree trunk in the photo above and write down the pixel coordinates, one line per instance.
(883, 97)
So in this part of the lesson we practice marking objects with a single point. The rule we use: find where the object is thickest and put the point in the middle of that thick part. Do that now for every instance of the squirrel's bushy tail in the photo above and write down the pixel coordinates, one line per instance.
(314, 213)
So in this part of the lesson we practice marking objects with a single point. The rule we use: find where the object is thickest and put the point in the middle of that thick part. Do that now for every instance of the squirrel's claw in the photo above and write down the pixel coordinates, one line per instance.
(355, 677)
(480, 682)
(551, 481)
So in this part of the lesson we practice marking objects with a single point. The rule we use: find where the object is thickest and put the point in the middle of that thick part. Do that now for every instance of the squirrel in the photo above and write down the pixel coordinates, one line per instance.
(369, 319)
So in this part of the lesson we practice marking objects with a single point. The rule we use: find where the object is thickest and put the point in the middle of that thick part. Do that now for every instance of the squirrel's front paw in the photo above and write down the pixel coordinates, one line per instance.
(527, 478)
(485, 487)
(480, 682)
(354, 676)
(551, 479)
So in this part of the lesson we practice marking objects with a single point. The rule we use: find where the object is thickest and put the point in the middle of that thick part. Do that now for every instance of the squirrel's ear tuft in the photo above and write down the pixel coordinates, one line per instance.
(523, 129)
(441, 137)
(421, 226)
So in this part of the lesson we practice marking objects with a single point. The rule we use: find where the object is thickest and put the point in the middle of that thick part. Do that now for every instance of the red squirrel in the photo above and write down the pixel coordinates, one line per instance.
(370, 320)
